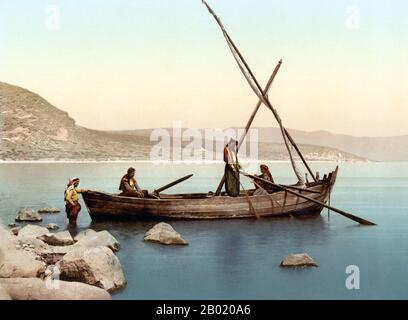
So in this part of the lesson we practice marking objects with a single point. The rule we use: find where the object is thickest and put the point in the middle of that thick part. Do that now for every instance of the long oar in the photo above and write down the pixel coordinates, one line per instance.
(171, 184)
(343, 213)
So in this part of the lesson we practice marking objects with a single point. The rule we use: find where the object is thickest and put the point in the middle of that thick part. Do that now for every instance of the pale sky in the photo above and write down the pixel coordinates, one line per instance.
(133, 64)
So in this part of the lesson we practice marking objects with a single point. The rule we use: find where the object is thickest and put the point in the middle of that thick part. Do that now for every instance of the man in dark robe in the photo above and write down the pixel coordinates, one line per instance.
(129, 186)
(231, 169)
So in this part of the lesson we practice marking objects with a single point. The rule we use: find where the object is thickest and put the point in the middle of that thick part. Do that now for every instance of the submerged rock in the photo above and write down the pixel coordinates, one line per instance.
(32, 231)
(95, 266)
(165, 234)
(37, 289)
(57, 239)
(298, 260)
(49, 210)
(52, 226)
(12, 225)
(28, 215)
(91, 238)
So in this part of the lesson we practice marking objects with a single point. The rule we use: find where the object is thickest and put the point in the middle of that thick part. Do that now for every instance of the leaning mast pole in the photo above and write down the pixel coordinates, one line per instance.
(254, 84)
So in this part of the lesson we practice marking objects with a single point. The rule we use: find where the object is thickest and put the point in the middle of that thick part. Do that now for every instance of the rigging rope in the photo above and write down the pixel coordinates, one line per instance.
(252, 81)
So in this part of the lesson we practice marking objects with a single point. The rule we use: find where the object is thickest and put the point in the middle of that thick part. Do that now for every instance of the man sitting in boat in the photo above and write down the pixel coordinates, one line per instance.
(261, 186)
(129, 186)
(231, 168)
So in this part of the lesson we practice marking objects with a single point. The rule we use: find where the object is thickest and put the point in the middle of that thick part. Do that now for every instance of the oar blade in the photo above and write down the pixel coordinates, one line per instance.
(343, 213)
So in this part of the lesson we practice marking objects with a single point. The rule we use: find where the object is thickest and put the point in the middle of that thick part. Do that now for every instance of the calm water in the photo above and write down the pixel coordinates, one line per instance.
(240, 259)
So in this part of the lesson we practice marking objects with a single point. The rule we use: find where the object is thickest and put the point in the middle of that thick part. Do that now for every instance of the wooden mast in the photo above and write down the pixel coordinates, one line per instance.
(251, 119)
(253, 82)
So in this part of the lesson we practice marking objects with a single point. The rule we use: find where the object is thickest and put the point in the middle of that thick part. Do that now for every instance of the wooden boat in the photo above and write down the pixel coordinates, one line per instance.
(105, 206)
(307, 200)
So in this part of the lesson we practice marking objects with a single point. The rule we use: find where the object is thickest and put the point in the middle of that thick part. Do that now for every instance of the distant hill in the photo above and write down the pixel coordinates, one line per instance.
(32, 129)
(373, 148)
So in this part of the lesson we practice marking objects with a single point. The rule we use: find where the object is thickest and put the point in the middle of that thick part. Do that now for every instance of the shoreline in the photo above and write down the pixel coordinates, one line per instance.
(170, 161)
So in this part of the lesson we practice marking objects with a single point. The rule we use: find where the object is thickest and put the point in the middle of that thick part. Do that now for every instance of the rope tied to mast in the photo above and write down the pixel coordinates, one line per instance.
(254, 84)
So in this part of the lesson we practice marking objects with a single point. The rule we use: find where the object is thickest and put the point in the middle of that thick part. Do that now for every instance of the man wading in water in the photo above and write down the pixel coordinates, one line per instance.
(231, 168)
(72, 206)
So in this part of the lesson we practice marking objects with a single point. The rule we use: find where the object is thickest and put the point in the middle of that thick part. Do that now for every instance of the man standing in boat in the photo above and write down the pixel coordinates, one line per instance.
(231, 168)
(72, 206)
(129, 186)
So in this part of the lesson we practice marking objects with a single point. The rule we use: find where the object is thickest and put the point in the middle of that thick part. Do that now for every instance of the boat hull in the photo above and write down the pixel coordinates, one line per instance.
(104, 206)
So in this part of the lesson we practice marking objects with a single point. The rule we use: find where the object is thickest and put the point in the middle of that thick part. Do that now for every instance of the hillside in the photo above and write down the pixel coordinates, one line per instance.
(374, 148)
(33, 129)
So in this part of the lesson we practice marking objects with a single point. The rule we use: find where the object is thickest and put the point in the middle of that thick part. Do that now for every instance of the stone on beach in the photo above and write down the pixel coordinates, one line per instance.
(32, 231)
(165, 234)
(4, 294)
(28, 215)
(18, 263)
(12, 225)
(49, 210)
(37, 289)
(298, 260)
(57, 239)
(95, 266)
(91, 238)
(14, 231)
(84, 233)
(52, 226)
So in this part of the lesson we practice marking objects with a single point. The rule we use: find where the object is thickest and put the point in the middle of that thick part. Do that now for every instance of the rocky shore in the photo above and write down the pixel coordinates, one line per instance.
(43, 263)
(37, 264)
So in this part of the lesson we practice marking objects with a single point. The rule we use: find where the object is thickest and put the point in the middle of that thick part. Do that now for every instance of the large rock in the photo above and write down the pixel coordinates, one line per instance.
(37, 289)
(31, 231)
(95, 266)
(165, 234)
(298, 260)
(19, 263)
(85, 233)
(28, 215)
(91, 238)
(4, 294)
(57, 239)
(49, 210)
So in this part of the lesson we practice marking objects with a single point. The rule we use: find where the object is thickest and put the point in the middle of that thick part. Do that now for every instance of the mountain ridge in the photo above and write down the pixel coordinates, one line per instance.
(33, 129)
